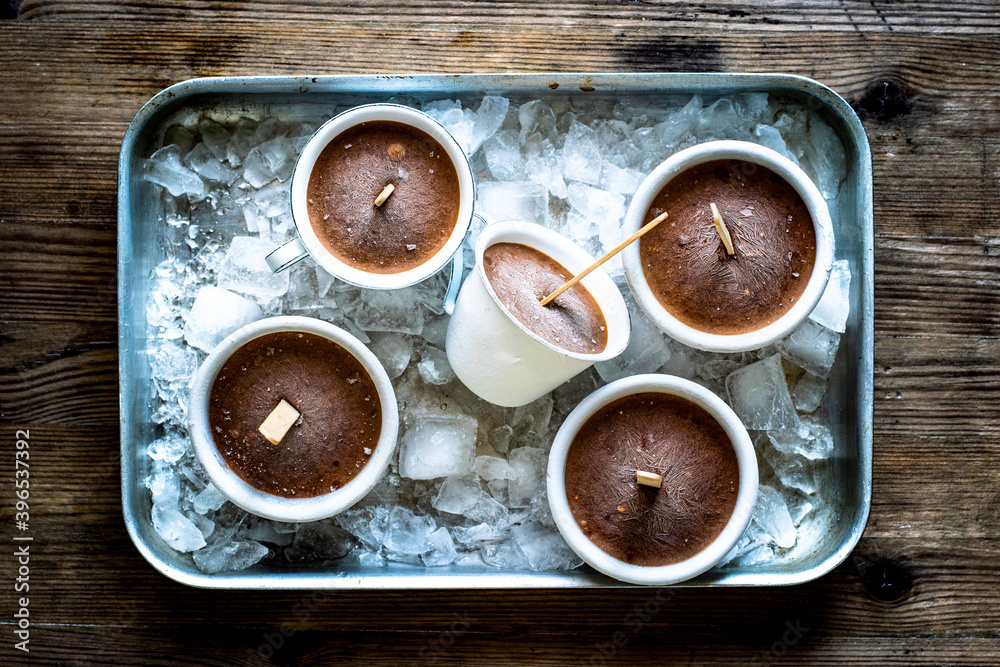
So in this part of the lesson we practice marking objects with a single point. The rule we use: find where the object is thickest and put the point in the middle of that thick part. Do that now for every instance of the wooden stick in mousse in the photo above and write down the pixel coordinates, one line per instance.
(611, 253)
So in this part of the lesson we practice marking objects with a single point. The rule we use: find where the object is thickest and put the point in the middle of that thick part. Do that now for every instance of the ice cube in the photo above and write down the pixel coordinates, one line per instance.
(809, 439)
(438, 445)
(769, 137)
(600, 206)
(825, 159)
(759, 395)
(536, 116)
(808, 392)
(793, 471)
(368, 524)
(279, 156)
(503, 156)
(544, 547)
(255, 170)
(505, 556)
(812, 347)
(240, 141)
(441, 549)
(267, 531)
(169, 449)
(500, 438)
(274, 201)
(393, 350)
(216, 314)
(772, 517)
(621, 180)
(201, 161)
(319, 542)
(489, 117)
(673, 130)
(407, 533)
(489, 511)
(397, 311)
(492, 467)
(546, 170)
(474, 536)
(520, 200)
(230, 556)
(578, 228)
(582, 159)
(458, 121)
(179, 136)
(164, 168)
(528, 465)
(177, 530)
(245, 270)
(457, 495)
(170, 362)
(834, 307)
(436, 331)
(434, 367)
(215, 137)
(647, 348)
(208, 500)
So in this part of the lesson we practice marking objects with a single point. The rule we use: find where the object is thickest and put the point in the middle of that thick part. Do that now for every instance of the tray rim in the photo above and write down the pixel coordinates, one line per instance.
(605, 82)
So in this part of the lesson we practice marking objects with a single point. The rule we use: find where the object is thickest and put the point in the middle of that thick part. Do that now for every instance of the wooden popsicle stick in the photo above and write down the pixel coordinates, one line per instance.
(611, 253)
(648, 478)
(278, 422)
(720, 226)
(386, 191)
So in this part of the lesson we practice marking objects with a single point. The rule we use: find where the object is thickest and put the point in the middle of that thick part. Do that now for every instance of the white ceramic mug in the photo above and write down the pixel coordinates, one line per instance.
(308, 244)
(499, 358)
(818, 211)
(704, 560)
(259, 502)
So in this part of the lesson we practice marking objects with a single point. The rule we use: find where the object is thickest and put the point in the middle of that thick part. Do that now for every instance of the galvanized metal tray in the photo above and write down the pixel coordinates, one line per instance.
(850, 385)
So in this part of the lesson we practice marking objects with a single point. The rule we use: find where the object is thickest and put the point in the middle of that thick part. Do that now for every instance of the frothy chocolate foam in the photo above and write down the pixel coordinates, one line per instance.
(341, 414)
(685, 262)
(667, 435)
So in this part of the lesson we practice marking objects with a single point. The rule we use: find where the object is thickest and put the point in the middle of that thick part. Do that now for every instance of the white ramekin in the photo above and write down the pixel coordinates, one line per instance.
(259, 502)
(496, 356)
(664, 574)
(308, 242)
(729, 150)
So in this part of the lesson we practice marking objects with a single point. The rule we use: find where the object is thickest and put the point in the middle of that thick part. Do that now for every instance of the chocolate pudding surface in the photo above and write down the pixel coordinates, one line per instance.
(413, 223)
(686, 265)
(663, 434)
(522, 276)
(334, 438)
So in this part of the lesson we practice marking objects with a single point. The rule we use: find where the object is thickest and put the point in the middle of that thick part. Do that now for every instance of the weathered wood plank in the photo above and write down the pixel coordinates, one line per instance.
(729, 15)
(788, 643)
(109, 69)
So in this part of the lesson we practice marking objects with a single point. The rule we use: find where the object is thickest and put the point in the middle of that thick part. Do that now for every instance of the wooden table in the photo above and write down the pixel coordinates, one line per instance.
(921, 587)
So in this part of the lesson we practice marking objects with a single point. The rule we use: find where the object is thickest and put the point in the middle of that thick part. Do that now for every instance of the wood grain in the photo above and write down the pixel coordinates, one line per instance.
(730, 15)
(924, 75)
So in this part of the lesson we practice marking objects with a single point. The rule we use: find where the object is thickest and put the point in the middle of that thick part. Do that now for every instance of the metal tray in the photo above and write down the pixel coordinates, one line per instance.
(850, 382)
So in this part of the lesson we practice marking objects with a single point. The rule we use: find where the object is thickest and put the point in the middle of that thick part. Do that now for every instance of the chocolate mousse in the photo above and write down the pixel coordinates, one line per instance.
(661, 434)
(522, 276)
(416, 219)
(685, 262)
(340, 423)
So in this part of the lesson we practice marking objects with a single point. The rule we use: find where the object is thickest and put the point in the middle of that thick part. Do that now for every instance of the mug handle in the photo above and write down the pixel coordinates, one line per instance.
(286, 255)
(457, 269)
